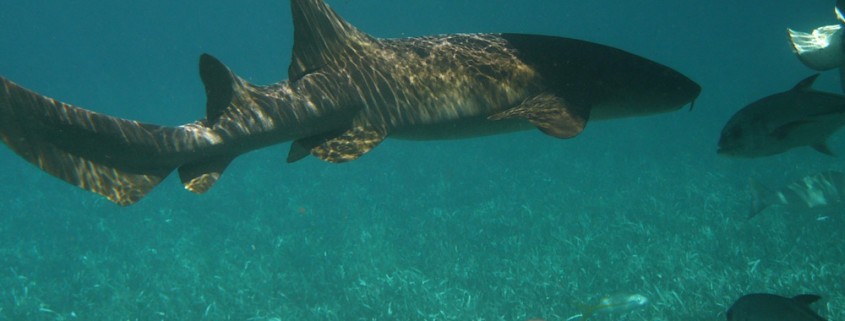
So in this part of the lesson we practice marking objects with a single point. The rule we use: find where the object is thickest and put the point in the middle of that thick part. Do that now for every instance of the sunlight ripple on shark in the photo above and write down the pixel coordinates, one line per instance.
(347, 91)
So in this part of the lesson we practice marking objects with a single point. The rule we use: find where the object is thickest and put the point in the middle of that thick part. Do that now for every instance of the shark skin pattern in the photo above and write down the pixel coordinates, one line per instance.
(347, 91)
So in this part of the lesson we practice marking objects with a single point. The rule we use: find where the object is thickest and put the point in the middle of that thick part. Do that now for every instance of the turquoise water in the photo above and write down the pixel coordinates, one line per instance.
(508, 227)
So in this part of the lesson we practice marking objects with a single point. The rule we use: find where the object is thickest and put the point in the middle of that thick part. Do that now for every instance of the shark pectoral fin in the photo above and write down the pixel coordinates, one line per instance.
(302, 147)
(550, 114)
(348, 145)
(198, 177)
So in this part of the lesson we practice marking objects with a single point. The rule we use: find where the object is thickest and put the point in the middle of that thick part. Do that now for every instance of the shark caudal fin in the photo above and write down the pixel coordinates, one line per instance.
(117, 158)
(123, 159)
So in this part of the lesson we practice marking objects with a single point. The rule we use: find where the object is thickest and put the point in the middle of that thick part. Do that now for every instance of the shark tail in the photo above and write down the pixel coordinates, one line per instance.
(759, 197)
(118, 158)
(95, 152)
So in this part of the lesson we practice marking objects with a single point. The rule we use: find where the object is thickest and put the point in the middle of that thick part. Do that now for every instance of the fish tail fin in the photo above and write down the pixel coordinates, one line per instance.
(820, 49)
(117, 158)
(759, 200)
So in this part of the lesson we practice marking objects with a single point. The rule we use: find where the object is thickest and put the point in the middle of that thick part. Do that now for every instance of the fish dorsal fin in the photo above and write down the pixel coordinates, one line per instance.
(806, 299)
(319, 35)
(805, 84)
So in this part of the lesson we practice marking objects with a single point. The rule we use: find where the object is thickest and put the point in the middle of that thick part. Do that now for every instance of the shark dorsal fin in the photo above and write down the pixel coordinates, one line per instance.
(220, 85)
(319, 36)
(806, 83)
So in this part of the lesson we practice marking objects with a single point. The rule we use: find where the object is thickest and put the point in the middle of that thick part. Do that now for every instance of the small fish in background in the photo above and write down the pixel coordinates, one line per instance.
(616, 303)
(822, 49)
(771, 307)
(818, 192)
(775, 124)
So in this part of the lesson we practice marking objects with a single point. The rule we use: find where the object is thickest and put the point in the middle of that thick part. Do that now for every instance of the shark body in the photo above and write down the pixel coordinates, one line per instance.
(347, 91)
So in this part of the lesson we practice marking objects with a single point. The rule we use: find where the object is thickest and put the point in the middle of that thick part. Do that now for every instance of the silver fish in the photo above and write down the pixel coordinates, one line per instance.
(775, 124)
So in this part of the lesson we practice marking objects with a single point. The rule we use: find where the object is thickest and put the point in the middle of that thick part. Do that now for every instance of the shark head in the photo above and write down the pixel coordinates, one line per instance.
(613, 82)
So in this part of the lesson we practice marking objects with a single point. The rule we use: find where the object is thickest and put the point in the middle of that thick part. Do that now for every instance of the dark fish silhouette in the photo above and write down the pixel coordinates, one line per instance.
(817, 192)
(770, 307)
(347, 92)
(777, 123)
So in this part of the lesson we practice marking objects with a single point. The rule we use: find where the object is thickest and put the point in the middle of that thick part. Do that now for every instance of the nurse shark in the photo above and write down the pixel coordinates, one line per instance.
(347, 91)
